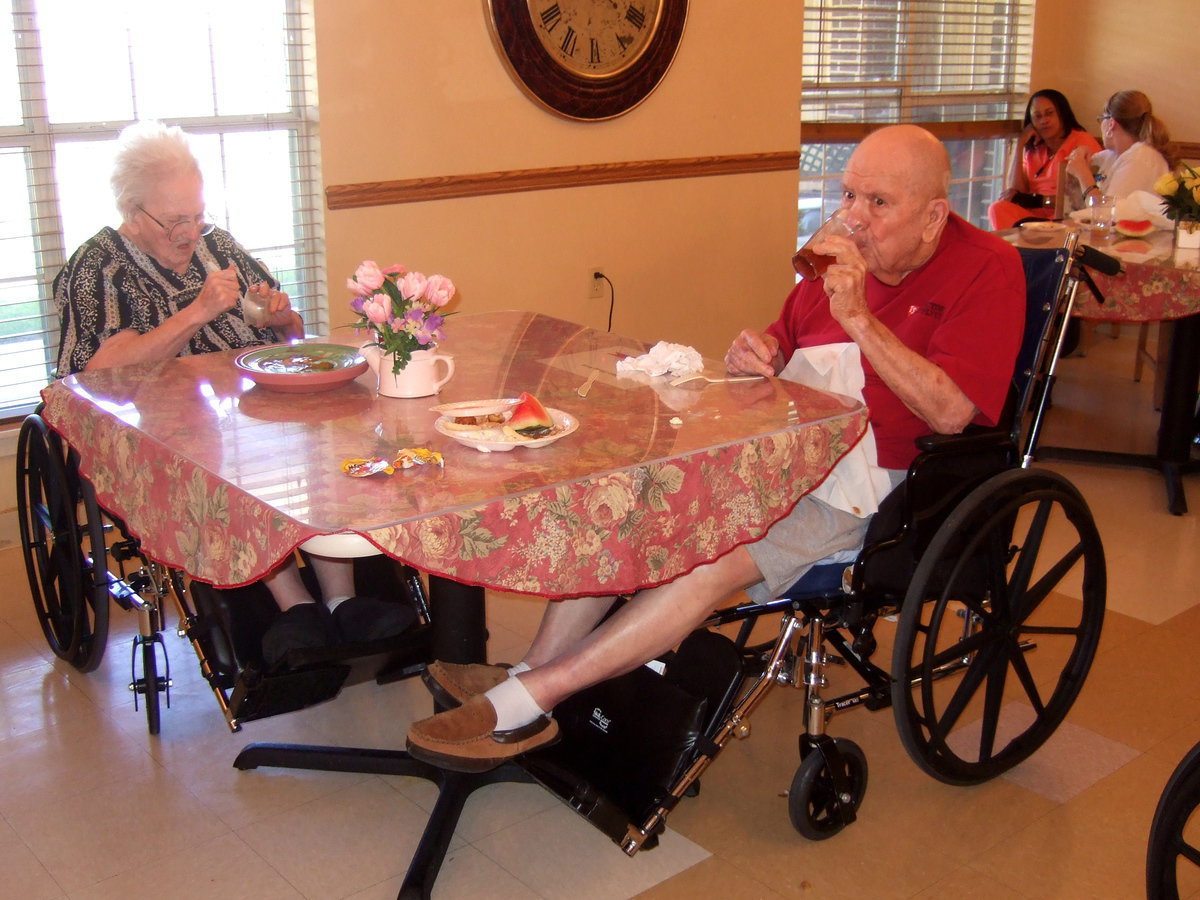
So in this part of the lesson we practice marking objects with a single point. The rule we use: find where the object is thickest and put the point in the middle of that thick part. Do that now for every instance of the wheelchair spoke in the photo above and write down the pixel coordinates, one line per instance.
(1021, 666)
(993, 697)
(1023, 570)
(1048, 582)
(963, 694)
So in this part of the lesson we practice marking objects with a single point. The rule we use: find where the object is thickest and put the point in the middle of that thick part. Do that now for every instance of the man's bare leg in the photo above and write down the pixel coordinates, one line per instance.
(654, 621)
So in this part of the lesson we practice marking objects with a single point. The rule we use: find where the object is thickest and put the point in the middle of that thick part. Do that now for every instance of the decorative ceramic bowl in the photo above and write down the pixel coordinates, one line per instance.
(302, 368)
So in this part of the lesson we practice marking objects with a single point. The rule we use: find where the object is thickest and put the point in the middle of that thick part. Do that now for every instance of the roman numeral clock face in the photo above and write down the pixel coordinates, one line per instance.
(588, 59)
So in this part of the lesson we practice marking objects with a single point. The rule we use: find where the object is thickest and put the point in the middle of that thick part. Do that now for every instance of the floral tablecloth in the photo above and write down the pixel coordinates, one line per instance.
(223, 479)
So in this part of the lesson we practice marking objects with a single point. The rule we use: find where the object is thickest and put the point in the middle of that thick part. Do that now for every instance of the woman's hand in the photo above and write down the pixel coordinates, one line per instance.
(1079, 165)
(754, 353)
(219, 294)
(277, 306)
(278, 312)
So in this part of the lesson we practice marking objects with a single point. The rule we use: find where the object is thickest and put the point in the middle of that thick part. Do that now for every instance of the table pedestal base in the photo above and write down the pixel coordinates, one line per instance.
(1177, 422)
(453, 790)
(1172, 472)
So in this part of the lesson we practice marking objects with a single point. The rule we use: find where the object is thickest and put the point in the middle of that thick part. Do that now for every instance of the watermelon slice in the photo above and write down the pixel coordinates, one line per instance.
(530, 418)
(1134, 227)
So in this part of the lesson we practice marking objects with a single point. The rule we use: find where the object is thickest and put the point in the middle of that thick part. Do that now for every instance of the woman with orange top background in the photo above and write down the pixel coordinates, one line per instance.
(1051, 135)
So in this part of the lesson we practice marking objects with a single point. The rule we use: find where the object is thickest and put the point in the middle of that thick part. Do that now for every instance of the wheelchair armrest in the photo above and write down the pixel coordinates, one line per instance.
(974, 439)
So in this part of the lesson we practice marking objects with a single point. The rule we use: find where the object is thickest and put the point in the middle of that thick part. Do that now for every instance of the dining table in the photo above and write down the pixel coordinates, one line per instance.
(1157, 283)
(642, 480)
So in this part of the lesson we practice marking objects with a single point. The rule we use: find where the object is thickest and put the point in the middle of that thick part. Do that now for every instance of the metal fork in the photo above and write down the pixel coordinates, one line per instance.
(583, 389)
(686, 378)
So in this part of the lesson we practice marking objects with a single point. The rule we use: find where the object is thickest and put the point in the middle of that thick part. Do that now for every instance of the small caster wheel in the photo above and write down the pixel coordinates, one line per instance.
(817, 812)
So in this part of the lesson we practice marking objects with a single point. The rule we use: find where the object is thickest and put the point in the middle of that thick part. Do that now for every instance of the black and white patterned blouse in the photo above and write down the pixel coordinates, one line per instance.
(109, 285)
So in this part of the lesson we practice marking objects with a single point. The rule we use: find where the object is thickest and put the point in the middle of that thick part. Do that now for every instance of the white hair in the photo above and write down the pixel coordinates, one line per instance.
(147, 153)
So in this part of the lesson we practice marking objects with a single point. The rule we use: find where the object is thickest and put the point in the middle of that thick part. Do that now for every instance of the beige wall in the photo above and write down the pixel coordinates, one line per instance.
(691, 260)
(1090, 50)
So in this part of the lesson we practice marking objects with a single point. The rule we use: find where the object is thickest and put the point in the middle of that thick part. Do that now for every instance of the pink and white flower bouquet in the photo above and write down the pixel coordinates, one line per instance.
(401, 307)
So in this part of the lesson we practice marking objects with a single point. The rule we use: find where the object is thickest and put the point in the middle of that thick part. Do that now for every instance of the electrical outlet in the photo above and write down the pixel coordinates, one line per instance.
(596, 283)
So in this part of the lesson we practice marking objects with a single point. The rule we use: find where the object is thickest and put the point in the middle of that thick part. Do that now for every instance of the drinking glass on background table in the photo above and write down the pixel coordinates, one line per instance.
(1101, 209)
(810, 265)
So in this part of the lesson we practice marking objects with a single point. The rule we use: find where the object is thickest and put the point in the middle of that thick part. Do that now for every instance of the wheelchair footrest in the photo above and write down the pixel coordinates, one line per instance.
(257, 696)
(628, 741)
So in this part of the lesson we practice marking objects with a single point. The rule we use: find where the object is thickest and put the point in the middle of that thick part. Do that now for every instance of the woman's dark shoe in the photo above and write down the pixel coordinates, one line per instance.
(305, 626)
(358, 620)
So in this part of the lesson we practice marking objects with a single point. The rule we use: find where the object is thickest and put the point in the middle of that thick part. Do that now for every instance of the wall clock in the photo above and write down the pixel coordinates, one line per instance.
(588, 59)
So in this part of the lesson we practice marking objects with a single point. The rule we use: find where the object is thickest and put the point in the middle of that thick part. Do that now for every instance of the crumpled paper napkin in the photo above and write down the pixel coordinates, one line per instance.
(663, 359)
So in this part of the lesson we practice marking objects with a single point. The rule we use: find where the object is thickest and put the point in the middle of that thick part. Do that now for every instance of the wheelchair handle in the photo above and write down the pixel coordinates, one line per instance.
(1095, 259)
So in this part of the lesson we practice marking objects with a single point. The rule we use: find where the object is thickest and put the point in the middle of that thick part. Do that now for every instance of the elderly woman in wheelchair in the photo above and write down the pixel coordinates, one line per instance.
(935, 307)
(168, 283)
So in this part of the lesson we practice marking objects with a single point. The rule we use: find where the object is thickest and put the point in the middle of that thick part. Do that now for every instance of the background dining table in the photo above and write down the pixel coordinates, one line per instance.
(224, 479)
(1158, 283)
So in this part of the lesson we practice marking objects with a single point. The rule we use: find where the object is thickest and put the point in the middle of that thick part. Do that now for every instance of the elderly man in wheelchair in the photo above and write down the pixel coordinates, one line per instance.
(935, 308)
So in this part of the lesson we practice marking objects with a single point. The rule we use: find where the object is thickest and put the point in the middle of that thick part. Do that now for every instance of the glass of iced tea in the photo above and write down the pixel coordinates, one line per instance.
(810, 265)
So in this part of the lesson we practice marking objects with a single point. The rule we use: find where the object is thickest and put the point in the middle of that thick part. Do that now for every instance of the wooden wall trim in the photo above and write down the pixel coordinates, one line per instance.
(1187, 149)
(447, 187)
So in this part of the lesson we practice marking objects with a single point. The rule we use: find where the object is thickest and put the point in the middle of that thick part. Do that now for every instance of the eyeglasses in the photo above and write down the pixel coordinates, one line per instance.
(1103, 116)
(174, 230)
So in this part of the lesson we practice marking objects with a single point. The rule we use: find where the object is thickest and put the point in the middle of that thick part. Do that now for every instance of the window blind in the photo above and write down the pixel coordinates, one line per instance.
(869, 62)
(238, 77)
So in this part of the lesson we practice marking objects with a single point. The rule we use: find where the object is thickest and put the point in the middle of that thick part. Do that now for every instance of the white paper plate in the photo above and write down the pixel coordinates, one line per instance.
(475, 407)
(496, 440)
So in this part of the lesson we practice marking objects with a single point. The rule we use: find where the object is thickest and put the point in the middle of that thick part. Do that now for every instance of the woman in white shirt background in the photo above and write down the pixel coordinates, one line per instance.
(1137, 149)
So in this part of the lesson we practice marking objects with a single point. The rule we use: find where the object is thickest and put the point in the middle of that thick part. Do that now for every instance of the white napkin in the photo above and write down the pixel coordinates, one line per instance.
(663, 359)
(1141, 205)
(857, 483)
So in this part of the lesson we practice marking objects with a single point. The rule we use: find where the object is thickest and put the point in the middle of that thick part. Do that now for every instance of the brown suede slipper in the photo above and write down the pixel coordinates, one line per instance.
(465, 739)
(453, 685)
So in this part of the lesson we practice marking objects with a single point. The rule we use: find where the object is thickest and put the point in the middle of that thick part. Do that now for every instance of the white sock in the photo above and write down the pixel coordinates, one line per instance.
(517, 669)
(333, 604)
(514, 704)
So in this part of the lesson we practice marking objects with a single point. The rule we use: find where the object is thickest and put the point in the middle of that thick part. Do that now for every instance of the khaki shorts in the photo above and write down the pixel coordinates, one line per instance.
(811, 533)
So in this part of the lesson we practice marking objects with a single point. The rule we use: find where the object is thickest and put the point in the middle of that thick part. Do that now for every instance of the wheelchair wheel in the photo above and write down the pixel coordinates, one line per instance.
(812, 801)
(990, 603)
(64, 558)
(1173, 853)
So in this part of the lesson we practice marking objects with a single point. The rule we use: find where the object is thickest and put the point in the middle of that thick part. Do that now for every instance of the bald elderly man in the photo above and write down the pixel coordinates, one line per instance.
(936, 307)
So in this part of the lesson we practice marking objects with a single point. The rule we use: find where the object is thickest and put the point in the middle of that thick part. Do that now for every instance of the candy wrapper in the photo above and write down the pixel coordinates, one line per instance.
(417, 456)
(405, 459)
(361, 468)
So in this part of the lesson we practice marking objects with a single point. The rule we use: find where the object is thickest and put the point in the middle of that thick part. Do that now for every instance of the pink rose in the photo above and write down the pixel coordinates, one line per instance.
(439, 290)
(395, 269)
(412, 285)
(369, 277)
(377, 309)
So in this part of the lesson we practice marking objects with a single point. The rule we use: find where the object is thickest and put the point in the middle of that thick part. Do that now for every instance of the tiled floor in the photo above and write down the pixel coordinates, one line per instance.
(92, 807)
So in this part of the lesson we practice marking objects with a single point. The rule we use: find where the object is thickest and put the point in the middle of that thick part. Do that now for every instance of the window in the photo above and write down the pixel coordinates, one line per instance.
(238, 77)
(868, 62)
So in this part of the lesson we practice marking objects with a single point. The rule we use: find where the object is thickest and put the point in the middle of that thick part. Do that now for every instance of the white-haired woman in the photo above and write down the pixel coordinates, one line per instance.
(167, 283)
